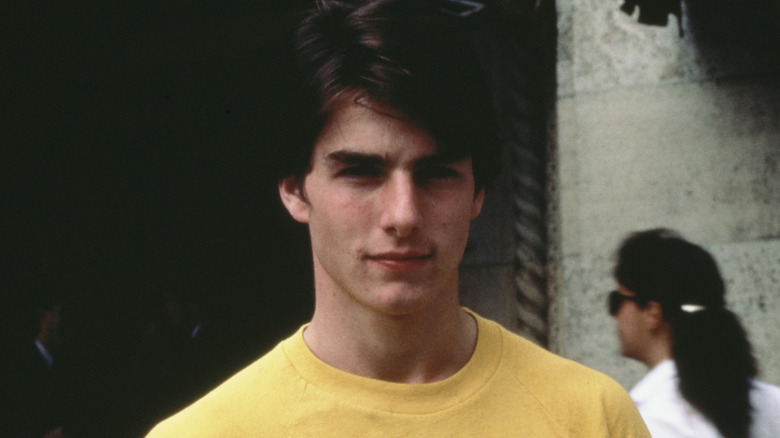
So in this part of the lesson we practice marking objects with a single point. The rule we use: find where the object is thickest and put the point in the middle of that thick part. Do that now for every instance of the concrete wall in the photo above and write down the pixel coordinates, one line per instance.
(654, 129)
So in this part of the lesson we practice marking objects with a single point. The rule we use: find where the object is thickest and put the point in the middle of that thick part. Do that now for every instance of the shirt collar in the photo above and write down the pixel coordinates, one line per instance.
(45, 353)
(662, 375)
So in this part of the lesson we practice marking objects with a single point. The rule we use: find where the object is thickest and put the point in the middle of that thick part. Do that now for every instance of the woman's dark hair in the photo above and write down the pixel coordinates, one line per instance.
(713, 356)
(403, 54)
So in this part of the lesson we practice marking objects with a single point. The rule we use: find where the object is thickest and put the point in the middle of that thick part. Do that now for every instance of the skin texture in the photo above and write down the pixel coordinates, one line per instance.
(389, 222)
(643, 333)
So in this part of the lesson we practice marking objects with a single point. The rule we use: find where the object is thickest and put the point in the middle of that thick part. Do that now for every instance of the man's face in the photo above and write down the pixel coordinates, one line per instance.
(388, 217)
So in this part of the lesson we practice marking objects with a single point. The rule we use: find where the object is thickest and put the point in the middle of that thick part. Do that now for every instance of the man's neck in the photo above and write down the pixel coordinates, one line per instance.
(418, 348)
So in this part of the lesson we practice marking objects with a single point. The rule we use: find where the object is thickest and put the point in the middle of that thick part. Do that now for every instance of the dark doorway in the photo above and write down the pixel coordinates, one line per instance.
(136, 179)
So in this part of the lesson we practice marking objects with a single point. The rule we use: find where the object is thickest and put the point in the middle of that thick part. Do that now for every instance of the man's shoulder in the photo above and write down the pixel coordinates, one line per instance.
(581, 400)
(551, 378)
(241, 404)
(532, 363)
(535, 365)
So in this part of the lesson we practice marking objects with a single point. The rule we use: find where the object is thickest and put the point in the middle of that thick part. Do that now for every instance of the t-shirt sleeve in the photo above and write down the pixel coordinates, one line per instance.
(624, 419)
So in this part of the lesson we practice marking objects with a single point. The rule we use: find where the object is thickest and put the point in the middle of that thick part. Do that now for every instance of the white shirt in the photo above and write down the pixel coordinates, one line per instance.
(668, 414)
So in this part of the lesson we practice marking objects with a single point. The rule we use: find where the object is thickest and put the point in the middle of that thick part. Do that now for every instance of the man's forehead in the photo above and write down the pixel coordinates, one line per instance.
(360, 130)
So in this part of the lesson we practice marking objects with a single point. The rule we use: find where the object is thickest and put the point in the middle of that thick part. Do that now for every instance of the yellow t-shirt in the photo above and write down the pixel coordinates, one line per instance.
(509, 388)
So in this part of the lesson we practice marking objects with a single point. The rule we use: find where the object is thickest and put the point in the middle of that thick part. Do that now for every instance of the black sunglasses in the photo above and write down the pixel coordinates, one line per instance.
(615, 300)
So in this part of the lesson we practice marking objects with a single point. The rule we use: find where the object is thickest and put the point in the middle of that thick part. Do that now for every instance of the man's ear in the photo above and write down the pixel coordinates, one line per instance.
(476, 206)
(291, 192)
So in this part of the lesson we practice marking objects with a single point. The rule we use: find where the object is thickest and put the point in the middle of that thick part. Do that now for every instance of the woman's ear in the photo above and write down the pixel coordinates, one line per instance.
(655, 314)
(293, 198)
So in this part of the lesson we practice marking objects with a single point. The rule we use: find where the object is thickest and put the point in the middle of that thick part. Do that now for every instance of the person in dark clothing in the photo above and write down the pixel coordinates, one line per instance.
(33, 379)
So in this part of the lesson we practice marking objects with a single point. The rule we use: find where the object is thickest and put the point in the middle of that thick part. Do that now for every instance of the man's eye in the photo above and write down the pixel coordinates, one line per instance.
(436, 172)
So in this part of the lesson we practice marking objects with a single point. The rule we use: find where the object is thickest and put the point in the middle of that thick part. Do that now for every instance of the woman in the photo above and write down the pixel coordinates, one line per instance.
(671, 315)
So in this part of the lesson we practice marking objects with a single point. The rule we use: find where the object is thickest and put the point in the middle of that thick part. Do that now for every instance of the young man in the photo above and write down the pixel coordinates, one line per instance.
(393, 159)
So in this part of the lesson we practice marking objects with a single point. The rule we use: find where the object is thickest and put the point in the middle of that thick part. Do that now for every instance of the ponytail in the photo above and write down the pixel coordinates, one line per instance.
(715, 365)
(714, 359)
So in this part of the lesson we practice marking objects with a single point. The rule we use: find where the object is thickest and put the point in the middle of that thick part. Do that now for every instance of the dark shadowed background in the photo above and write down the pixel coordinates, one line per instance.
(134, 166)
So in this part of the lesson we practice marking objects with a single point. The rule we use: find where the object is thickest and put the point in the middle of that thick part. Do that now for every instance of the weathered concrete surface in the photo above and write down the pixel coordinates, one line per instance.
(657, 130)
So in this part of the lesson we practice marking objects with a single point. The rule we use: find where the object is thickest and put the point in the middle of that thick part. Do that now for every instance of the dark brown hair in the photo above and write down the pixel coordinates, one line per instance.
(403, 54)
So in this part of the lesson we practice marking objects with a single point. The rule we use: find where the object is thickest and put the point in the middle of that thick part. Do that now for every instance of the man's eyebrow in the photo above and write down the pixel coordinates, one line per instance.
(346, 157)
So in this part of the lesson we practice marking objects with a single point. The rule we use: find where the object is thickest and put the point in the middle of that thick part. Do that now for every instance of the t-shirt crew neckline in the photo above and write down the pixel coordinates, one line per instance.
(401, 398)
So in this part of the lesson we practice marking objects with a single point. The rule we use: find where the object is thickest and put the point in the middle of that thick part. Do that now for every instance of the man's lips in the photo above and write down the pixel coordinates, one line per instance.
(401, 260)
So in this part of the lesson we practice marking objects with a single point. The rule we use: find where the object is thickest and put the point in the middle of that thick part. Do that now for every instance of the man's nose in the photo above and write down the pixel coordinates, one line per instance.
(401, 214)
